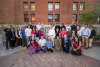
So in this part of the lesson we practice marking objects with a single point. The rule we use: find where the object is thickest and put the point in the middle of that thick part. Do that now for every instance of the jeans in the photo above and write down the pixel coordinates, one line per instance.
(66, 49)
(28, 39)
(70, 39)
(40, 49)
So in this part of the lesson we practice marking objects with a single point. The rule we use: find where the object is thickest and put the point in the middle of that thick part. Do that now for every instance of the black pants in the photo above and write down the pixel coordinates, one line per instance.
(23, 41)
(12, 43)
(62, 42)
(49, 49)
(19, 42)
(7, 42)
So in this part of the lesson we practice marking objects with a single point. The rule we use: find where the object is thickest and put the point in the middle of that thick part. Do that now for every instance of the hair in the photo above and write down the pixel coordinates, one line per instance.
(92, 26)
(48, 39)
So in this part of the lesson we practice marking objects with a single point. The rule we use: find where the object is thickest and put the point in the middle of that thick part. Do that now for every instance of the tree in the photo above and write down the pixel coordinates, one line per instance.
(90, 17)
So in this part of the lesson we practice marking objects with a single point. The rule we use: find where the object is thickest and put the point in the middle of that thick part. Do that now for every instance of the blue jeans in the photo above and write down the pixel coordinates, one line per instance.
(28, 39)
(40, 49)
(70, 39)
(66, 49)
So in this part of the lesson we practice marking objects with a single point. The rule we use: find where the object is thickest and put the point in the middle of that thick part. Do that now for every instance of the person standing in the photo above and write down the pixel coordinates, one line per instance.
(57, 26)
(13, 38)
(40, 33)
(18, 37)
(51, 34)
(57, 32)
(63, 32)
(23, 37)
(67, 27)
(49, 44)
(85, 36)
(79, 33)
(38, 26)
(37, 34)
(34, 26)
(33, 32)
(28, 34)
(42, 45)
(93, 33)
(63, 26)
(7, 33)
(73, 29)
(43, 29)
(69, 35)
(83, 27)
(58, 44)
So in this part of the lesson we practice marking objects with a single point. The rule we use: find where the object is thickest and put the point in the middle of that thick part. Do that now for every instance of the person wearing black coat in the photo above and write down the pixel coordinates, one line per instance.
(7, 35)
(12, 38)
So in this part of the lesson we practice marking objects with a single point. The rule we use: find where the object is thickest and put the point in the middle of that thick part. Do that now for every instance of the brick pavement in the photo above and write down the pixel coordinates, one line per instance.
(55, 59)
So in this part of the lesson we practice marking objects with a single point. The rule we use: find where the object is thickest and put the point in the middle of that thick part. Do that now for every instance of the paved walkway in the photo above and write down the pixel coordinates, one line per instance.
(56, 59)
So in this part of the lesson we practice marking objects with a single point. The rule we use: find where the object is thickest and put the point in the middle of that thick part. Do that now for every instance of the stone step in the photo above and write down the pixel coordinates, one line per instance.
(95, 43)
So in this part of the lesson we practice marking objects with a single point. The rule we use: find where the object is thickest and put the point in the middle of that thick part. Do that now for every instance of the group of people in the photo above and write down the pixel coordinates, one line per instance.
(68, 38)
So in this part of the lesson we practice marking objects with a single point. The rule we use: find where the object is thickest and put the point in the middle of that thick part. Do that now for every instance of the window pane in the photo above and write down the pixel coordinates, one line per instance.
(32, 17)
(81, 6)
(75, 17)
(25, 6)
(26, 18)
(74, 6)
(32, 6)
(57, 6)
(50, 6)
(56, 18)
(50, 18)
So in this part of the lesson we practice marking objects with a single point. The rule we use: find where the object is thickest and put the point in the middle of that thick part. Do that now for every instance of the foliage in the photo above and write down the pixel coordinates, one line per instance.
(97, 37)
(89, 17)
(15, 22)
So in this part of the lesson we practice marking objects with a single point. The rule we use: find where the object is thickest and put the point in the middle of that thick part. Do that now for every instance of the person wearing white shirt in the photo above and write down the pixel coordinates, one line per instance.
(38, 26)
(68, 26)
(18, 37)
(85, 36)
(79, 32)
(28, 34)
(42, 44)
(83, 27)
(51, 34)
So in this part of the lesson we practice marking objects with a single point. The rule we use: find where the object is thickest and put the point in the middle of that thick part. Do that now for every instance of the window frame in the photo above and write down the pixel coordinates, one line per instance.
(83, 5)
(24, 7)
(59, 6)
(25, 18)
(50, 9)
(75, 9)
(50, 19)
(57, 17)
(31, 7)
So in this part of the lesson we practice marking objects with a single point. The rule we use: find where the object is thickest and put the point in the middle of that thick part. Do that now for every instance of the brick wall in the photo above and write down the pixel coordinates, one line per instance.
(13, 9)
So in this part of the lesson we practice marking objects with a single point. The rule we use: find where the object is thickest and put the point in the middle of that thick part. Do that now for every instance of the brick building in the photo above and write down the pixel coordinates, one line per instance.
(45, 11)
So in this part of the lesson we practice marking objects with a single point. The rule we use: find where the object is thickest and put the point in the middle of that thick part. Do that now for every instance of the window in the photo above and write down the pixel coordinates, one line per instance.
(75, 6)
(26, 18)
(57, 6)
(50, 18)
(82, 5)
(32, 17)
(75, 17)
(25, 6)
(32, 6)
(56, 18)
(50, 6)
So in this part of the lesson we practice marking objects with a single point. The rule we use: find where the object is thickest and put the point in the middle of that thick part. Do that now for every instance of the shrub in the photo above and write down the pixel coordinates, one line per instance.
(97, 37)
